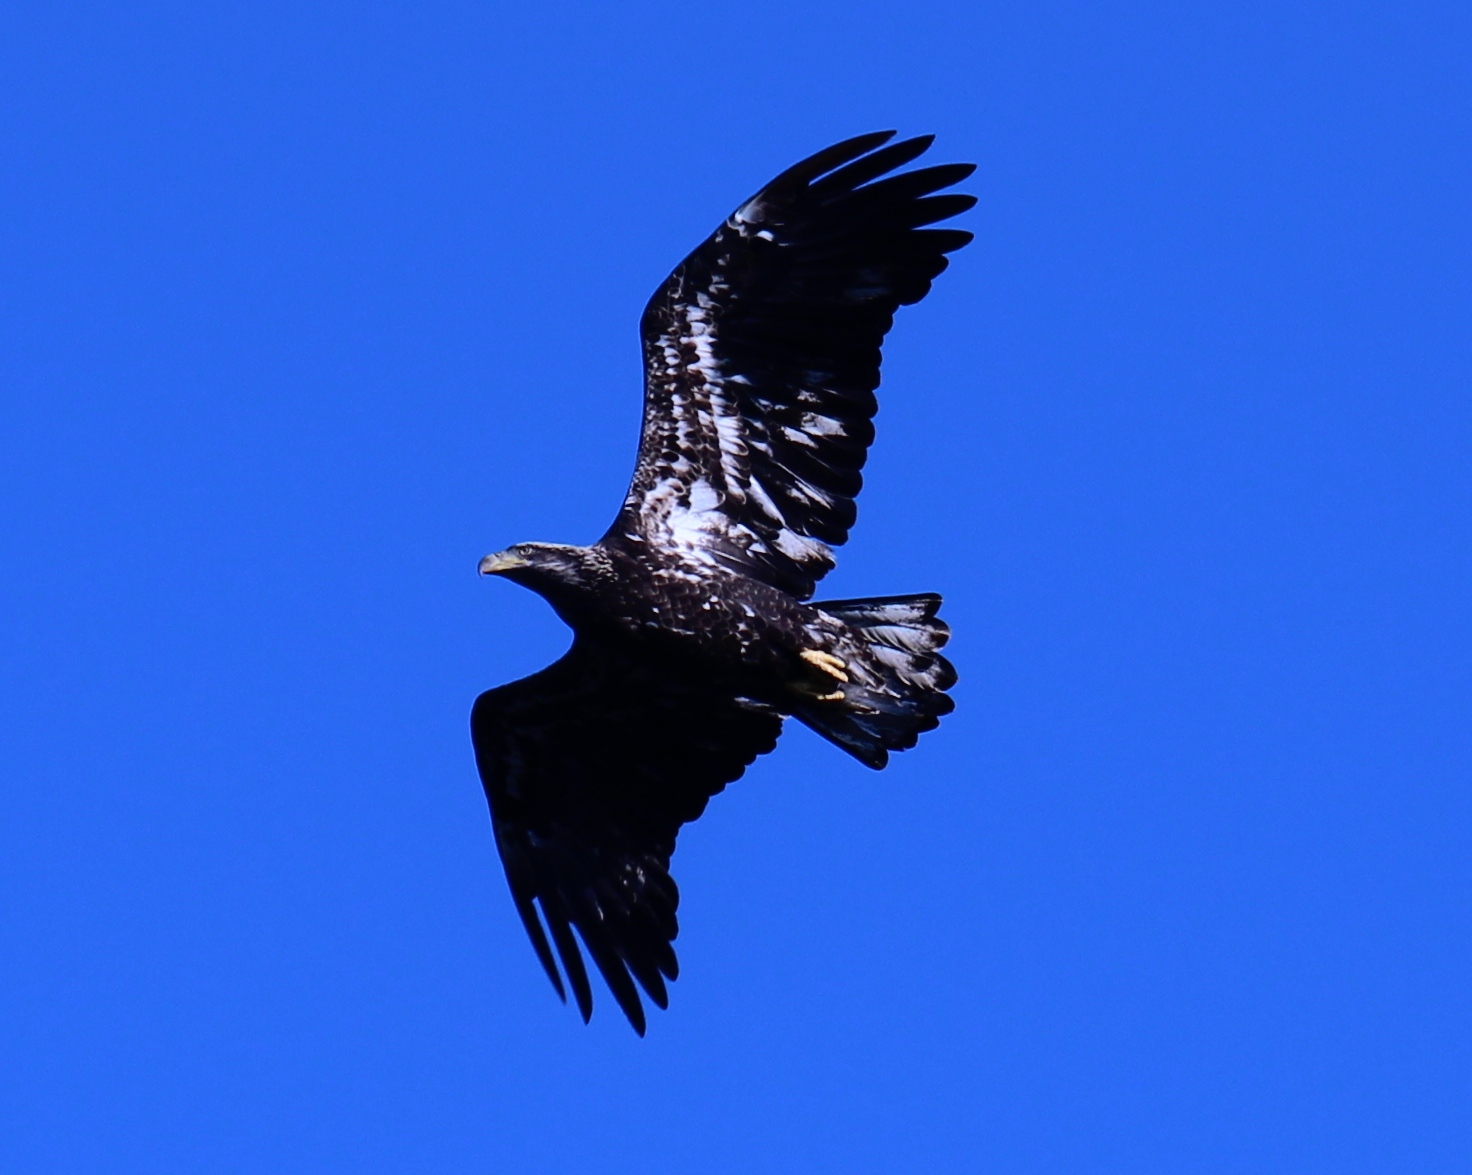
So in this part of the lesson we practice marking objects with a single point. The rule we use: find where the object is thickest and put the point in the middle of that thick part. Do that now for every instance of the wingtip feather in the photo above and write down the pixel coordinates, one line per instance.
(533, 926)
(615, 973)
(572, 960)
(824, 161)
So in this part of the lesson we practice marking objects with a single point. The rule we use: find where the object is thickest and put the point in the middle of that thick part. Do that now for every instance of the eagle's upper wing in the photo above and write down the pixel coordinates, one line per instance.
(761, 356)
(591, 766)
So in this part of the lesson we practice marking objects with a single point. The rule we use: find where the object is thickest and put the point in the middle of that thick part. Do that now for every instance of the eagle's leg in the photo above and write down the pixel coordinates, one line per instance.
(831, 667)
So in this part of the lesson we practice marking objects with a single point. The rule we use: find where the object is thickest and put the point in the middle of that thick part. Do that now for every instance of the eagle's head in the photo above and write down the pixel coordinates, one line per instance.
(553, 570)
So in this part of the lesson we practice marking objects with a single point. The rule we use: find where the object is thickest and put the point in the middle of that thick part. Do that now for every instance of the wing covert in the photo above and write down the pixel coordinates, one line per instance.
(762, 355)
(590, 768)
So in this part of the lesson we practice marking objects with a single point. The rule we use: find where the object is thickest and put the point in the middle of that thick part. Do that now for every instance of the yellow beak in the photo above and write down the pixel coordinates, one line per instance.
(499, 562)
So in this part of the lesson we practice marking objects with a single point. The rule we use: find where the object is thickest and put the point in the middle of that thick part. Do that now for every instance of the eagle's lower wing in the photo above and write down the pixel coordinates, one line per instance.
(761, 356)
(591, 766)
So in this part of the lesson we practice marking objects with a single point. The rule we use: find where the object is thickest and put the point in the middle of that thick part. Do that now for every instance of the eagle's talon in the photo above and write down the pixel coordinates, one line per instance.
(833, 666)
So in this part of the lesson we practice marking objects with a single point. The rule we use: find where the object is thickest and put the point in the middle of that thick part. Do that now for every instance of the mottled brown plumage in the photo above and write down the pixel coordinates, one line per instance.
(694, 634)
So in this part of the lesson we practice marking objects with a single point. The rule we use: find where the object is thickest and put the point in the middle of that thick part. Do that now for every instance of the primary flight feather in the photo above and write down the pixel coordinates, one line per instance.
(693, 634)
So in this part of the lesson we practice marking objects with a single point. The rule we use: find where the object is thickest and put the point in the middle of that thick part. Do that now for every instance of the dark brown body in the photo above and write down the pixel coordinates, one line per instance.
(711, 620)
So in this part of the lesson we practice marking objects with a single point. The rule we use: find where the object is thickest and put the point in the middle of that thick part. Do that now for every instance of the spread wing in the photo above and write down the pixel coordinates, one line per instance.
(591, 766)
(761, 356)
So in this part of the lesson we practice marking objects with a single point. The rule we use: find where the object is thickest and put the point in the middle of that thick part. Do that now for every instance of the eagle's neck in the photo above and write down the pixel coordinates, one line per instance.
(571, 579)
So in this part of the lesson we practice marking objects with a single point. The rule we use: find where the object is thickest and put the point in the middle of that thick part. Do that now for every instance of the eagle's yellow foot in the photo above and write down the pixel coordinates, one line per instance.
(836, 696)
(833, 666)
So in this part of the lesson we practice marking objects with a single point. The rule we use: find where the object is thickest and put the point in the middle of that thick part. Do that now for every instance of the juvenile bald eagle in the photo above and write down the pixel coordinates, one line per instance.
(693, 634)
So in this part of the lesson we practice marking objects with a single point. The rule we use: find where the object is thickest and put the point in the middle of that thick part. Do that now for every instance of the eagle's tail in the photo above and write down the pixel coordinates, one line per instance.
(888, 713)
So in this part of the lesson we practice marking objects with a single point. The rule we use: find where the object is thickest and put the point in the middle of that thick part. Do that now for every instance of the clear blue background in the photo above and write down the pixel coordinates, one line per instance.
(304, 308)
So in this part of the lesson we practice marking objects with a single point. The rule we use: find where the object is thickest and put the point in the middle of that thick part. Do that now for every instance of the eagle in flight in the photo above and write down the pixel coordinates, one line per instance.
(695, 633)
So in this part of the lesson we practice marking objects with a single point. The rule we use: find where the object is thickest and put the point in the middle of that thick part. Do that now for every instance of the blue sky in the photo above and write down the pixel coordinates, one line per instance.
(304, 308)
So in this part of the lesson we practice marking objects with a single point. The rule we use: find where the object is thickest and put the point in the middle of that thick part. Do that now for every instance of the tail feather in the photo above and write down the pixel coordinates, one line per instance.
(888, 712)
